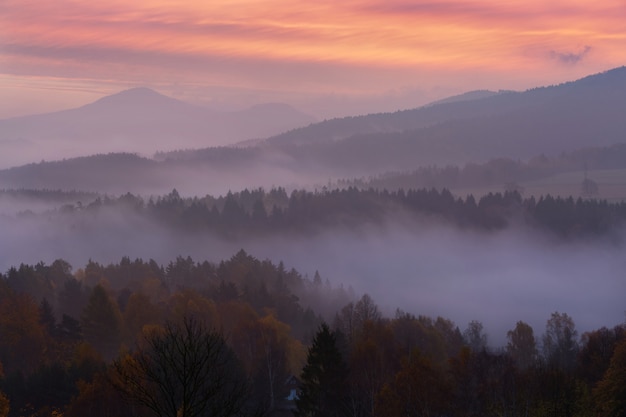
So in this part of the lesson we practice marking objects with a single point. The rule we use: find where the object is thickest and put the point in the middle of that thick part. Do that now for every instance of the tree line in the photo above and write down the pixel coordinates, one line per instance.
(259, 212)
(193, 338)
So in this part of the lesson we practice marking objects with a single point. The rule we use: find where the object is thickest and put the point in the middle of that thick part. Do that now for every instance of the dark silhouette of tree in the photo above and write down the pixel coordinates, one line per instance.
(22, 337)
(610, 393)
(589, 188)
(451, 336)
(98, 398)
(101, 323)
(419, 389)
(4, 401)
(475, 337)
(345, 323)
(72, 298)
(596, 352)
(366, 310)
(522, 345)
(324, 378)
(183, 370)
(560, 346)
(69, 330)
(374, 360)
(46, 317)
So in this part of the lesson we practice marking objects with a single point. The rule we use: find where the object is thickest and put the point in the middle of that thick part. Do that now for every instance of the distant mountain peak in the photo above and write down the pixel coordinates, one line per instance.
(138, 92)
(138, 95)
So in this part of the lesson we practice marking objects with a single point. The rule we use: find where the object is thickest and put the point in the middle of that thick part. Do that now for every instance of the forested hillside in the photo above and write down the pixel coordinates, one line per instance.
(547, 120)
(74, 341)
(265, 213)
(218, 170)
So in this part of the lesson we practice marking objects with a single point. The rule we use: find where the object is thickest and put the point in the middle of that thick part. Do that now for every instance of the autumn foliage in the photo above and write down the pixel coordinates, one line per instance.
(119, 339)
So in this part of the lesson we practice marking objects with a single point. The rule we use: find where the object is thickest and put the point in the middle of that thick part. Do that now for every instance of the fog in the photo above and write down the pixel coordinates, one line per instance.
(497, 279)
(429, 269)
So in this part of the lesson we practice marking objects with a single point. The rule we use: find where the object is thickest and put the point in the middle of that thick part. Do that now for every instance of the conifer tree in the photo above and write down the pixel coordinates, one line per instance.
(101, 323)
(324, 378)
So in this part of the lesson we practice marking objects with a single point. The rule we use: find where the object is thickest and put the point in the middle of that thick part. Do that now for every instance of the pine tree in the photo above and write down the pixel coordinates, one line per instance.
(101, 322)
(324, 379)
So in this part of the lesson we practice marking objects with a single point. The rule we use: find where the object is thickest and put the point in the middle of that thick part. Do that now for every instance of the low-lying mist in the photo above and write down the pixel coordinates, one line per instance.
(497, 278)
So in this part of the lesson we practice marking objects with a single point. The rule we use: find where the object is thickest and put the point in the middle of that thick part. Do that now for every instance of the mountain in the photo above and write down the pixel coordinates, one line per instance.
(586, 113)
(137, 120)
(552, 119)
(470, 129)
(223, 169)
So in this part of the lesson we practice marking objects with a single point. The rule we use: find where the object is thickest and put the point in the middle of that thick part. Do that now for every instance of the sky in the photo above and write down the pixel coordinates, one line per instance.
(328, 58)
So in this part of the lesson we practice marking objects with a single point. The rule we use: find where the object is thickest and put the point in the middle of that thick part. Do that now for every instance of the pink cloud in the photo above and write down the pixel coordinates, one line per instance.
(313, 46)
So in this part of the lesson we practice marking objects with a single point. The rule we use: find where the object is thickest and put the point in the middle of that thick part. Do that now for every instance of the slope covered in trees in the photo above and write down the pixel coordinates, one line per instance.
(497, 173)
(52, 364)
(265, 213)
(198, 171)
(547, 120)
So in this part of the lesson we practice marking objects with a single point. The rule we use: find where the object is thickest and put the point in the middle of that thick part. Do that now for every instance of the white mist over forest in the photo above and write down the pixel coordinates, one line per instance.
(423, 268)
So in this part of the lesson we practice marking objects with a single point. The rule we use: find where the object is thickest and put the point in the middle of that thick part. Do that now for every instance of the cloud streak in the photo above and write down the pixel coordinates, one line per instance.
(406, 43)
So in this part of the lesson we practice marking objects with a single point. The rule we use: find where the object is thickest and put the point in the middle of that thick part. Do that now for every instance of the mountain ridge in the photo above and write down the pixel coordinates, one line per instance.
(431, 114)
(515, 125)
(542, 119)
(137, 120)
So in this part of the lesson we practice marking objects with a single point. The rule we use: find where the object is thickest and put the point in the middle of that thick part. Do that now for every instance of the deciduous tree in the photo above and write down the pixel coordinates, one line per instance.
(183, 370)
(474, 336)
(522, 345)
(418, 390)
(610, 393)
(560, 346)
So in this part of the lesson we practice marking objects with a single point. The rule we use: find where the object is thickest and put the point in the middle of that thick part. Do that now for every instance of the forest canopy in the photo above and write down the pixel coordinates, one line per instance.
(69, 333)
(262, 213)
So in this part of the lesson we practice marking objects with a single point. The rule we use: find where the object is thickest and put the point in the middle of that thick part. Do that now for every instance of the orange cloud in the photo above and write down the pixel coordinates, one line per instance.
(312, 45)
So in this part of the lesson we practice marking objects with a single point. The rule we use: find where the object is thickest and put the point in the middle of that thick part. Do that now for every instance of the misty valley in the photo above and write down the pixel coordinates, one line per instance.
(464, 258)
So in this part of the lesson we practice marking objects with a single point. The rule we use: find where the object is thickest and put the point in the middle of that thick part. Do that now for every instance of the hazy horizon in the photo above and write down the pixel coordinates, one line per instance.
(326, 59)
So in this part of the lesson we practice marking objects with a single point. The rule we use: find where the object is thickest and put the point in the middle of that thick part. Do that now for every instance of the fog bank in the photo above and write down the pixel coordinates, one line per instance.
(496, 278)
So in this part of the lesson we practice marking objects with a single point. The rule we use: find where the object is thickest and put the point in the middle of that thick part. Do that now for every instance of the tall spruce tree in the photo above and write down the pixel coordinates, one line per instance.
(324, 379)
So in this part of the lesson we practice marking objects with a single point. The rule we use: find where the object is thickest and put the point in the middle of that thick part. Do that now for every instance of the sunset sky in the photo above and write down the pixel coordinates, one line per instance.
(327, 58)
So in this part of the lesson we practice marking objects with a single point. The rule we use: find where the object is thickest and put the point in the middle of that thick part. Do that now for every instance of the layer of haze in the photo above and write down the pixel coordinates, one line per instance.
(326, 58)
(429, 269)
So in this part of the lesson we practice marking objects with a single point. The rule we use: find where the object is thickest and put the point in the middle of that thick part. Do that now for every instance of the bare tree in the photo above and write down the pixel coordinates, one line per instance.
(366, 309)
(560, 346)
(183, 371)
(474, 336)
